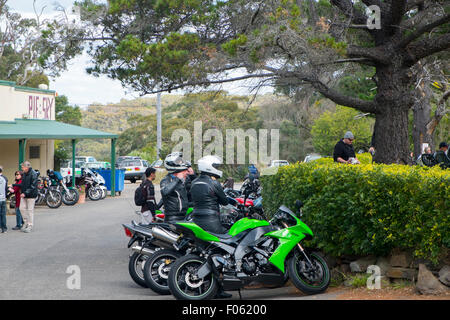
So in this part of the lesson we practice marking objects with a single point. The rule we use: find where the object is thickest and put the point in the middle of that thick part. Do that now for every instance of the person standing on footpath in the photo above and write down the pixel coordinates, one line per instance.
(149, 207)
(16, 190)
(28, 195)
(3, 193)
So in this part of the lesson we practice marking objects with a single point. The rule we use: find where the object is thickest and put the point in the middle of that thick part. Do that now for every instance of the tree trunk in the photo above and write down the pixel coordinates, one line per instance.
(422, 116)
(391, 135)
(391, 129)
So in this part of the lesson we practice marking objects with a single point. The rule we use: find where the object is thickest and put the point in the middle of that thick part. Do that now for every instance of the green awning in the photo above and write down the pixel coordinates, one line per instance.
(48, 129)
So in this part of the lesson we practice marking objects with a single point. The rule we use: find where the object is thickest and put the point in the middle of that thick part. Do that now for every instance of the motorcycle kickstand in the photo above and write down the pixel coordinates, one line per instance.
(240, 296)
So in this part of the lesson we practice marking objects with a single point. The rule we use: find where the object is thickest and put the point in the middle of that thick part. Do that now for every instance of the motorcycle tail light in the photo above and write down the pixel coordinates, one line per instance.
(128, 232)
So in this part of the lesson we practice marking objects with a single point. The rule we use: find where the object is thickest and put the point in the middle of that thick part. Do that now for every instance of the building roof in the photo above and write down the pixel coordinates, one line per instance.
(48, 129)
(23, 88)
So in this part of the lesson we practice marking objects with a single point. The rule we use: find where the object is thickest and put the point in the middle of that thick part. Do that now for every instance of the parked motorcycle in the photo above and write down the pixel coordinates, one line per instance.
(47, 194)
(90, 181)
(70, 195)
(151, 239)
(253, 250)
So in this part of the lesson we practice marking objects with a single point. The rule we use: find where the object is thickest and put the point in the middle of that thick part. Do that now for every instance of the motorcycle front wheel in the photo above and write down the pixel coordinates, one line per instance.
(53, 199)
(156, 270)
(70, 197)
(185, 286)
(94, 193)
(310, 278)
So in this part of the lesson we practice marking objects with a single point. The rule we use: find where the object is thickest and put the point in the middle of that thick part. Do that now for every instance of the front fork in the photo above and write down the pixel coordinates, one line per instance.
(300, 248)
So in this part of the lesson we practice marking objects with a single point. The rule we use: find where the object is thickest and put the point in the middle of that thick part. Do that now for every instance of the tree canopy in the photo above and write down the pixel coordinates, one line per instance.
(153, 45)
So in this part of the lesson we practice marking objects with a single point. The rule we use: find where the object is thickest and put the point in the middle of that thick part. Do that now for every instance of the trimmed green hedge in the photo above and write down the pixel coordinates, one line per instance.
(367, 209)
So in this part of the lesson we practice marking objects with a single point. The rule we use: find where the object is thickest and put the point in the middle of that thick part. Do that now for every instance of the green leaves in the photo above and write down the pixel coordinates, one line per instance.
(367, 209)
(330, 127)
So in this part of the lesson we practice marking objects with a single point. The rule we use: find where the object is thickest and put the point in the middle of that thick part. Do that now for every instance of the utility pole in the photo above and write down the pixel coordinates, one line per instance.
(158, 125)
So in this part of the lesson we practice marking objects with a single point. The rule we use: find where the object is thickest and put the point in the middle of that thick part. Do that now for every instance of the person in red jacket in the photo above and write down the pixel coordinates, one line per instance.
(16, 188)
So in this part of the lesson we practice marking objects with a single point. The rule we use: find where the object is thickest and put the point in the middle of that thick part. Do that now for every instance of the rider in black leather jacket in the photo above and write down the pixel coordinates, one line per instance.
(207, 195)
(173, 190)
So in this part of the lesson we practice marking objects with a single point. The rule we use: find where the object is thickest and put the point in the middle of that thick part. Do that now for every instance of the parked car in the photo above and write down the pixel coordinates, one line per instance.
(278, 163)
(121, 159)
(134, 169)
(66, 168)
(158, 165)
(312, 157)
(98, 165)
(86, 159)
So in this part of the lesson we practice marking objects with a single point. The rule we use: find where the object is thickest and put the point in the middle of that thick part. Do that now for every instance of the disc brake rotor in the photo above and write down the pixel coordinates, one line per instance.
(163, 269)
(188, 278)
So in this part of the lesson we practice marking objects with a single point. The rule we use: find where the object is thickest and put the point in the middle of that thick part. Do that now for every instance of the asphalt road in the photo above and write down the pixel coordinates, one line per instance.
(88, 238)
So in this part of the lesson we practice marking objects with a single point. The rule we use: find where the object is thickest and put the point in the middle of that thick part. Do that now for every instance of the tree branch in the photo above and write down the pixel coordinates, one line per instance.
(347, 8)
(414, 3)
(337, 97)
(208, 82)
(427, 47)
(439, 114)
(426, 28)
(374, 54)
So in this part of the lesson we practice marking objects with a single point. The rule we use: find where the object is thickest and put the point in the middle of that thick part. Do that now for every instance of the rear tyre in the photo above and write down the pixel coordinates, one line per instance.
(136, 268)
(309, 279)
(156, 270)
(184, 285)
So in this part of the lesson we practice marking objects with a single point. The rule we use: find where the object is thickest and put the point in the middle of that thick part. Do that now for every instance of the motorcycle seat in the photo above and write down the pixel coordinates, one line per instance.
(221, 236)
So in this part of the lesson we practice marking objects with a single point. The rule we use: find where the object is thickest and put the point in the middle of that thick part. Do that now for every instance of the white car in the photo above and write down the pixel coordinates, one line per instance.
(312, 157)
(134, 169)
(86, 159)
(278, 163)
(66, 168)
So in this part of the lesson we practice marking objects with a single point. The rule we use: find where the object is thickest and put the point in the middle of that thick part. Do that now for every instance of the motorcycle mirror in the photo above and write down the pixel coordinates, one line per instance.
(298, 204)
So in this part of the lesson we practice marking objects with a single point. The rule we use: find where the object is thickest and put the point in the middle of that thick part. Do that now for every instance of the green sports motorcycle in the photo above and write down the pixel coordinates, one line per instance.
(253, 251)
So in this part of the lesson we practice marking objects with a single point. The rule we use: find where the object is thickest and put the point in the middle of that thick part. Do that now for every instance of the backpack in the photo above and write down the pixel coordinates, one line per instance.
(140, 195)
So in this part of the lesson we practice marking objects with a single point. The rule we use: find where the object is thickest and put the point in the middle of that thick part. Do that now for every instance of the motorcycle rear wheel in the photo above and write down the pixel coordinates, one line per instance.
(184, 286)
(156, 270)
(136, 268)
(310, 280)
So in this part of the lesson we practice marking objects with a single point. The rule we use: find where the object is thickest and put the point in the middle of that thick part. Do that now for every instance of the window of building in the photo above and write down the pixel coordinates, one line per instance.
(35, 152)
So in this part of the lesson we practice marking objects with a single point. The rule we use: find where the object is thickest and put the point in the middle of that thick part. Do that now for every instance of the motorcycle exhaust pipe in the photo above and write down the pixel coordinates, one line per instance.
(165, 235)
(143, 250)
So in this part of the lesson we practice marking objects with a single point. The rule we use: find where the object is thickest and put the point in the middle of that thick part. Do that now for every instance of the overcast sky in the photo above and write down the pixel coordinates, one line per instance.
(81, 88)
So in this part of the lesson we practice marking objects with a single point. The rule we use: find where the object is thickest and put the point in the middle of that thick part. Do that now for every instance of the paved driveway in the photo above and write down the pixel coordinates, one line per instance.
(90, 237)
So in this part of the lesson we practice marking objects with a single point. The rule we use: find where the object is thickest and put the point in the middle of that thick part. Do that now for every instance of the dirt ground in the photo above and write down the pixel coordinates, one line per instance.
(407, 293)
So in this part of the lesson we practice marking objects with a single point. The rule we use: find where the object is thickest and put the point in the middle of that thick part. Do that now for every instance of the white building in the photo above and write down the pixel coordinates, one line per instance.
(17, 102)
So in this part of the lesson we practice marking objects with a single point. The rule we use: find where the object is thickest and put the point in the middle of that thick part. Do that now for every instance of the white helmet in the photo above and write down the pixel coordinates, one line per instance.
(174, 162)
(209, 165)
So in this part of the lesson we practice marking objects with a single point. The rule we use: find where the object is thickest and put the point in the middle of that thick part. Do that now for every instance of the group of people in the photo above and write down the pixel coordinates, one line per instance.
(25, 191)
(344, 152)
(181, 188)
(440, 157)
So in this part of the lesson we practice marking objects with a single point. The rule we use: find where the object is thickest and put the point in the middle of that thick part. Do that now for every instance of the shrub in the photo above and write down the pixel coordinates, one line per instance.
(368, 208)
